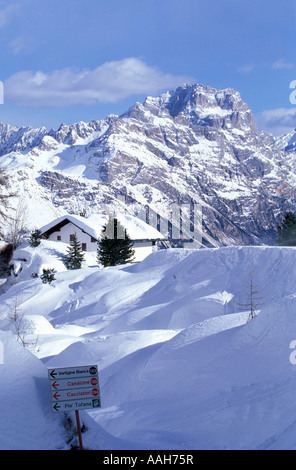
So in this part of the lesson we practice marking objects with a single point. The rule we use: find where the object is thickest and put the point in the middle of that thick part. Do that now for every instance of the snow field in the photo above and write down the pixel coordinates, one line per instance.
(180, 366)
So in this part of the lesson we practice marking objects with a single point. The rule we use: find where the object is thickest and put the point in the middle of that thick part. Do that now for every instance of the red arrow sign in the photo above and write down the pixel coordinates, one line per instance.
(55, 385)
(56, 395)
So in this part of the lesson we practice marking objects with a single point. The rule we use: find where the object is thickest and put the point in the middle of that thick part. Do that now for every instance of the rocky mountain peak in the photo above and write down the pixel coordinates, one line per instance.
(71, 134)
(195, 97)
(194, 144)
(287, 142)
(200, 106)
(19, 138)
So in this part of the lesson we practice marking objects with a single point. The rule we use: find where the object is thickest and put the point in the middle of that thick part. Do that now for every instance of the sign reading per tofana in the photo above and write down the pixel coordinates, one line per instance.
(74, 388)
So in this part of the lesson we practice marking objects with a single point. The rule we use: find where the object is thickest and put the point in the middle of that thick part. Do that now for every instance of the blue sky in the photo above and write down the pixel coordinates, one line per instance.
(72, 60)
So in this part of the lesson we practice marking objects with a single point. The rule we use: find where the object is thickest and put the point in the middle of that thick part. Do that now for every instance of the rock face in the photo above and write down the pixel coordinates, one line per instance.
(195, 145)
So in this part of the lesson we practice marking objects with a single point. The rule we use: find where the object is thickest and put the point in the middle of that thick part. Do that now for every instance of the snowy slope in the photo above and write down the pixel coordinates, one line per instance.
(179, 365)
(27, 422)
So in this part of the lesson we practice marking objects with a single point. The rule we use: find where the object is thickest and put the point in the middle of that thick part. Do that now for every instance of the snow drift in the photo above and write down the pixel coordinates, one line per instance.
(181, 367)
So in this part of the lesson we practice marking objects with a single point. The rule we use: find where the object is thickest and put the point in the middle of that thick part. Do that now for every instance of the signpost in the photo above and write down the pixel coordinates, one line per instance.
(74, 389)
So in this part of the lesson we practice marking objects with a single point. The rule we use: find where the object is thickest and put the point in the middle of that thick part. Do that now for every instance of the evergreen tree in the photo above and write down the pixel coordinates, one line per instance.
(287, 230)
(48, 276)
(115, 245)
(75, 256)
(35, 238)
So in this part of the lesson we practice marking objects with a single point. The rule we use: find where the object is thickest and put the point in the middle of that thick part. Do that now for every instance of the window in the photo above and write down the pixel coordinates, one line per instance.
(83, 246)
(72, 236)
(59, 238)
(93, 240)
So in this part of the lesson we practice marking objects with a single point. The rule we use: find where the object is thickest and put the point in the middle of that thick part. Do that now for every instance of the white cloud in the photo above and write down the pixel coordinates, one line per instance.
(108, 83)
(277, 121)
(281, 64)
(6, 12)
(20, 44)
(246, 68)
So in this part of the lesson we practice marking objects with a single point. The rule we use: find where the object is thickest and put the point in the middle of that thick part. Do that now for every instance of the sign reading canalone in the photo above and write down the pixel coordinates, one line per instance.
(74, 388)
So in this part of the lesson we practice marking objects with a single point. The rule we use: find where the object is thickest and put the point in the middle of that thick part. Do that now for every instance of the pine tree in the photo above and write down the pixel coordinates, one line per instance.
(287, 230)
(115, 246)
(35, 238)
(75, 256)
(48, 275)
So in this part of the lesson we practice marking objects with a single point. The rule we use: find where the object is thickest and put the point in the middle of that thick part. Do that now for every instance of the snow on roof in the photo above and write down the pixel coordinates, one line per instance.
(76, 220)
(136, 228)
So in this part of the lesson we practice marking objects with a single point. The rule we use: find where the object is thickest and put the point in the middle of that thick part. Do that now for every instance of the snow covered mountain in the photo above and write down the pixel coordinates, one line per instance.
(287, 142)
(194, 145)
(181, 364)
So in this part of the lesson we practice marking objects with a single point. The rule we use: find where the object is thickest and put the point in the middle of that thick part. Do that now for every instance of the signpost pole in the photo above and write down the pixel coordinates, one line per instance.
(79, 430)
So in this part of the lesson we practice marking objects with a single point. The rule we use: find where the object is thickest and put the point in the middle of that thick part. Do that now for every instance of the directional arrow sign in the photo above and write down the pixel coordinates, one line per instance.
(74, 388)
(53, 373)
(55, 385)
(56, 395)
(79, 393)
(56, 407)
(79, 371)
(76, 405)
(74, 383)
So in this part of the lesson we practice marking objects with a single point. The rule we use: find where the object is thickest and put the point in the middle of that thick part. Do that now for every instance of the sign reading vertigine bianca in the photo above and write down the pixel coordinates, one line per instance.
(74, 388)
